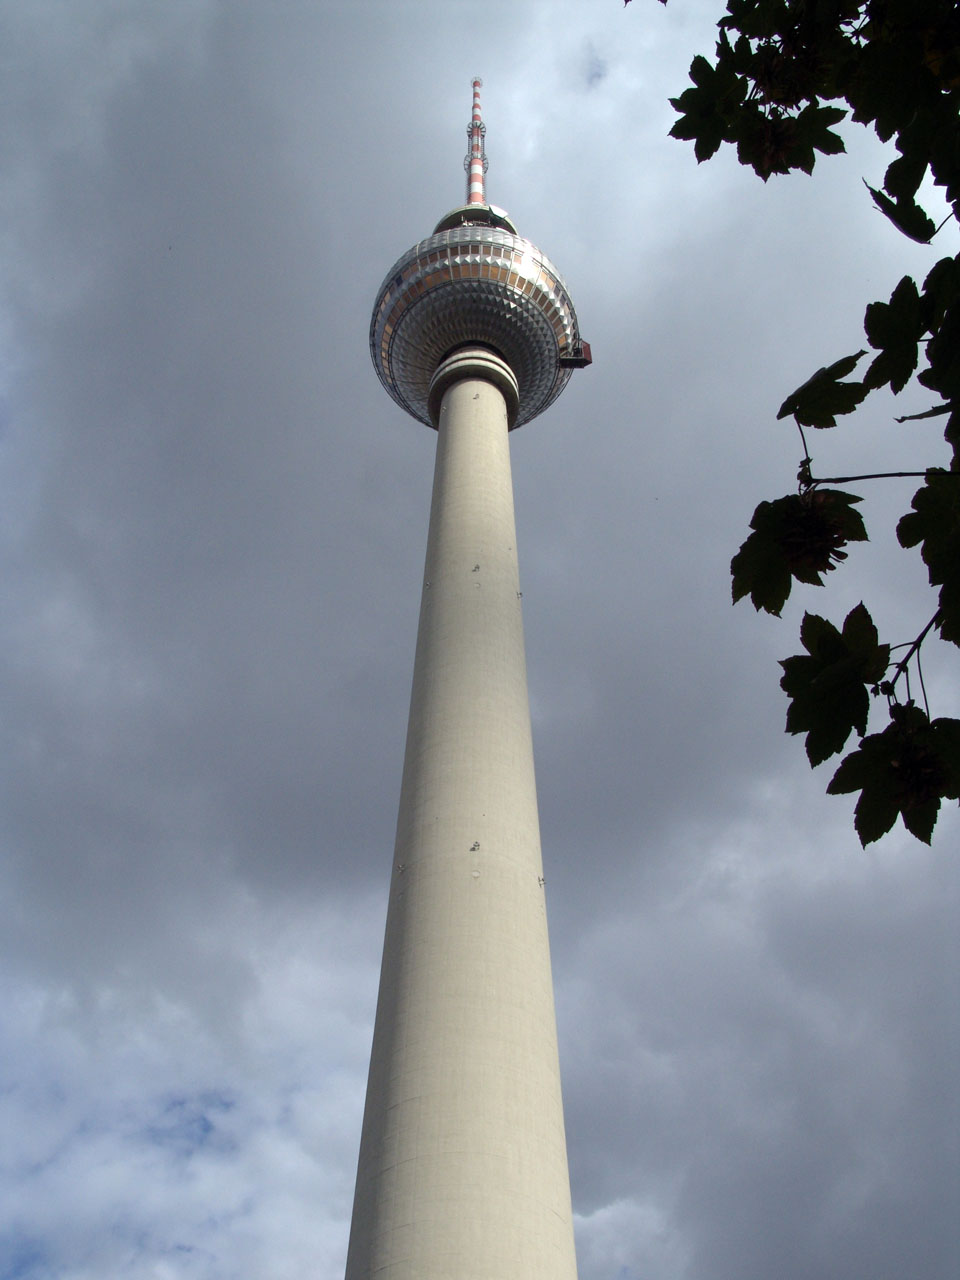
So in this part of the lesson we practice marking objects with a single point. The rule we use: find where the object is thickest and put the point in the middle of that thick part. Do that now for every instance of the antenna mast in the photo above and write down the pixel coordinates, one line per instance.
(475, 161)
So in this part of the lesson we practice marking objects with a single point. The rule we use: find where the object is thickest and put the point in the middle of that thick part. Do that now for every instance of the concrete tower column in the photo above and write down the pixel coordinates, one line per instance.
(463, 1168)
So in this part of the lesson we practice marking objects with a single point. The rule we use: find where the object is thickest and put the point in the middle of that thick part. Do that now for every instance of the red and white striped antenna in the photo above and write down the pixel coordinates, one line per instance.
(475, 161)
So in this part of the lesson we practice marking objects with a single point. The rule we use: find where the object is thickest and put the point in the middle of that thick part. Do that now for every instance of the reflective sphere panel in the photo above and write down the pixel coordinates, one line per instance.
(473, 284)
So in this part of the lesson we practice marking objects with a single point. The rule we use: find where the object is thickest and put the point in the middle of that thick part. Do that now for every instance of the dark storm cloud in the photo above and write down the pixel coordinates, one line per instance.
(212, 536)
(736, 1043)
(186, 413)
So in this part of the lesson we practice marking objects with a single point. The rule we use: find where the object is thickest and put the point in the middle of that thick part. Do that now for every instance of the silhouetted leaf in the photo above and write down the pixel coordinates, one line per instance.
(895, 328)
(815, 124)
(828, 686)
(906, 215)
(817, 402)
(705, 108)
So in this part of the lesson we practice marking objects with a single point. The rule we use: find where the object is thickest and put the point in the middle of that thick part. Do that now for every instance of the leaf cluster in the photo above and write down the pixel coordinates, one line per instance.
(784, 75)
(913, 764)
(779, 65)
(905, 771)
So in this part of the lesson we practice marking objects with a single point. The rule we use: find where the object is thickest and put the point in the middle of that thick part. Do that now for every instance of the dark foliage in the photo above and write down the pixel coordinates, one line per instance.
(784, 74)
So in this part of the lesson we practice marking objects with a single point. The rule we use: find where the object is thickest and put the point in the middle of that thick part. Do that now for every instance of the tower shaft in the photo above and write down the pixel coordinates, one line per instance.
(463, 1168)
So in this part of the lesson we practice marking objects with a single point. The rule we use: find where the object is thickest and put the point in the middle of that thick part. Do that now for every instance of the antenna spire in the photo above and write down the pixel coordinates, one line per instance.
(475, 161)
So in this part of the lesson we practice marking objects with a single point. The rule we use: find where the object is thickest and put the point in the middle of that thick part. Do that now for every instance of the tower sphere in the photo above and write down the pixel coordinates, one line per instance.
(474, 282)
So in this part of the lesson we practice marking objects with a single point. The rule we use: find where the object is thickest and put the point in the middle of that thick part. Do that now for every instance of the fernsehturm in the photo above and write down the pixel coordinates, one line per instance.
(463, 1165)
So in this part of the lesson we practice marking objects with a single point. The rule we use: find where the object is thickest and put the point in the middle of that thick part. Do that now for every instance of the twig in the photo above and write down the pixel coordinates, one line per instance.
(902, 664)
(874, 475)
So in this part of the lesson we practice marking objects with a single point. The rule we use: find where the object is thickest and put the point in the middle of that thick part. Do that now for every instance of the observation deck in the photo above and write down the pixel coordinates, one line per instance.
(475, 281)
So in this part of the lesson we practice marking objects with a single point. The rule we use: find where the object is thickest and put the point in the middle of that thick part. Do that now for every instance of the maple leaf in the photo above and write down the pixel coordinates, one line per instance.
(828, 685)
(894, 328)
(817, 402)
(906, 215)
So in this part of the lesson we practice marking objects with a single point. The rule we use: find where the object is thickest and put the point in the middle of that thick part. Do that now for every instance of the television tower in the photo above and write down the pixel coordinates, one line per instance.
(463, 1166)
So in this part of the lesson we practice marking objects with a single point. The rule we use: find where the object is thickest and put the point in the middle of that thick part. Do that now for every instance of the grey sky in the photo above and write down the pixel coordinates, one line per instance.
(212, 524)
